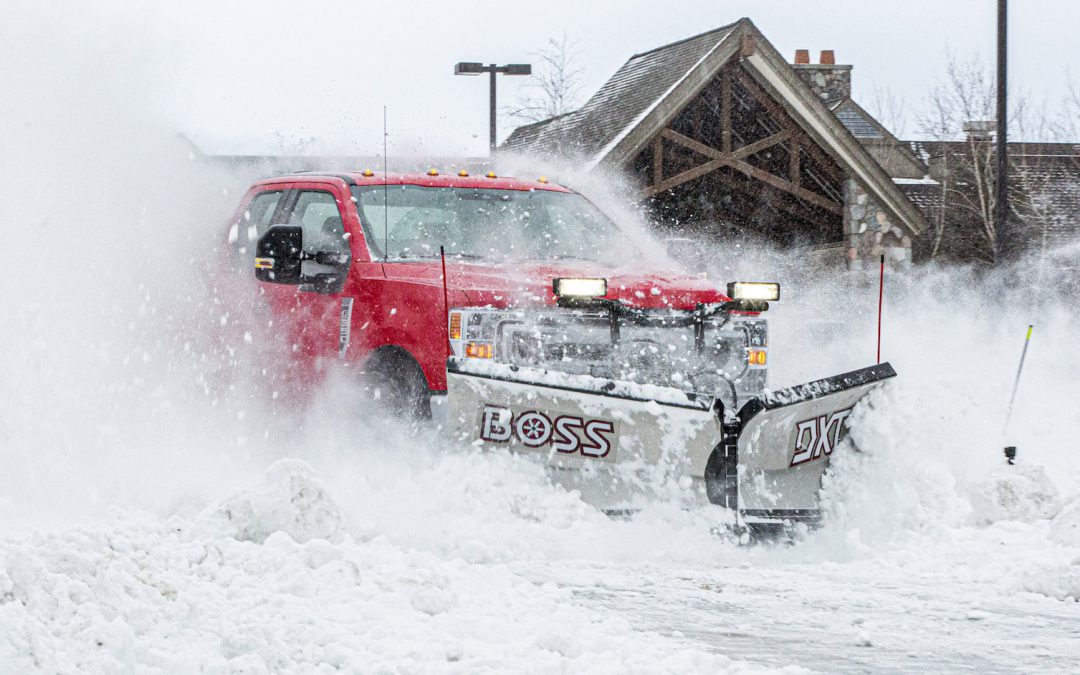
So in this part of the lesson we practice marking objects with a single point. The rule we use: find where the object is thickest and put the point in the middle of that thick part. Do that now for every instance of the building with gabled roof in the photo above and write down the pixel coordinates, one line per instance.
(721, 135)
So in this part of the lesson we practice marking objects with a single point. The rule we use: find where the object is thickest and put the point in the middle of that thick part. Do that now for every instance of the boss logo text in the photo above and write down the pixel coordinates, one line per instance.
(567, 434)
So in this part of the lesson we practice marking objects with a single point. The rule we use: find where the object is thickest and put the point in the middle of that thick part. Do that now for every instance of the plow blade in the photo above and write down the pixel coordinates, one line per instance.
(615, 440)
(784, 442)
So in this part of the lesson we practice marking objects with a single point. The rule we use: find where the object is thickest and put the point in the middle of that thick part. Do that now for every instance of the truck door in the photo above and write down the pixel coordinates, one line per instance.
(309, 319)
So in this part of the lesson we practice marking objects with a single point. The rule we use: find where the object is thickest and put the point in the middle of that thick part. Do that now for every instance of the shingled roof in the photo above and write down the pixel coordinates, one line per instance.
(1046, 174)
(653, 86)
(620, 103)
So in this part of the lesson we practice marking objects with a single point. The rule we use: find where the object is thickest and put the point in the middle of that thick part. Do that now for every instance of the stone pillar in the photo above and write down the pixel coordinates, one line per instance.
(870, 231)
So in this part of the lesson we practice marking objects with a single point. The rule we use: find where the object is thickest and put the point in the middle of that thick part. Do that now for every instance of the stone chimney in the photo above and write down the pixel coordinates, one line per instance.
(828, 81)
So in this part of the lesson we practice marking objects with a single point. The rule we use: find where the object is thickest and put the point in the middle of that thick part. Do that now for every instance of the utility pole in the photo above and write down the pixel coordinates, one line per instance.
(1001, 189)
(474, 68)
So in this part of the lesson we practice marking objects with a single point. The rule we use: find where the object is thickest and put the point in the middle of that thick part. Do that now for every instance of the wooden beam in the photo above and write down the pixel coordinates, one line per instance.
(794, 168)
(696, 146)
(734, 160)
(698, 104)
(747, 45)
(725, 109)
(781, 184)
(763, 144)
(751, 171)
(777, 199)
(658, 160)
(679, 179)
(829, 165)
(713, 153)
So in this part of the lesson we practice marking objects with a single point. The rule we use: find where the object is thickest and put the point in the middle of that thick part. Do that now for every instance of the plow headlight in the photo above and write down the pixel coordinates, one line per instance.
(753, 290)
(570, 287)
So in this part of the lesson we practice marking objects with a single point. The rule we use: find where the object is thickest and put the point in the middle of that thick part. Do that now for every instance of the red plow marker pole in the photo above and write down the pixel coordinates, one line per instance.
(880, 302)
(446, 302)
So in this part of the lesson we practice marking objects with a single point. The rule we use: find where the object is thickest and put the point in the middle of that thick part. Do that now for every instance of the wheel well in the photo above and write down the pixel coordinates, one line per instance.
(394, 356)
(393, 364)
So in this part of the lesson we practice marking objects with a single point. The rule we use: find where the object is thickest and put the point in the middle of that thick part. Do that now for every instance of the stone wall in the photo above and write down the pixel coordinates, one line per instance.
(871, 231)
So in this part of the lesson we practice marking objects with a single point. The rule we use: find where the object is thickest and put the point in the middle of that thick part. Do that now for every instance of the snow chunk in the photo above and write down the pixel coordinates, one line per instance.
(1057, 581)
(1065, 527)
(290, 499)
(1022, 492)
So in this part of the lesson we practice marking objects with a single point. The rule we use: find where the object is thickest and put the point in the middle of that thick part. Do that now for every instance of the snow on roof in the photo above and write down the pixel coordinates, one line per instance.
(925, 180)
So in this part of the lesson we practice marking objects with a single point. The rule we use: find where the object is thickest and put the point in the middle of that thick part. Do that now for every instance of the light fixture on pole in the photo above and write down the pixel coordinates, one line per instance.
(475, 68)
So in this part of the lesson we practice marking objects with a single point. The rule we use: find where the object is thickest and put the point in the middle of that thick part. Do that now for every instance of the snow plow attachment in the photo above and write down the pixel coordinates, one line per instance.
(764, 462)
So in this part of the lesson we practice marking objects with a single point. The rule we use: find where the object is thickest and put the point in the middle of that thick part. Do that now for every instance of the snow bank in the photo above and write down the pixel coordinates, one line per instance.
(1065, 527)
(1020, 492)
(290, 499)
(230, 593)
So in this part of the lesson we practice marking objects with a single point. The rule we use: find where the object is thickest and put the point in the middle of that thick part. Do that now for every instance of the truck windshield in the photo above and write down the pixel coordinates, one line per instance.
(404, 222)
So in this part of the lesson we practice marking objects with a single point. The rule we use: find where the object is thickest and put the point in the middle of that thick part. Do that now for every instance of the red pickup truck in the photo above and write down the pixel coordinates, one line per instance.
(351, 271)
(543, 328)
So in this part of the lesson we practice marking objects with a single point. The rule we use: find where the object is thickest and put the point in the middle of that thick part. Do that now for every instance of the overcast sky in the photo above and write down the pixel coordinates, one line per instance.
(238, 72)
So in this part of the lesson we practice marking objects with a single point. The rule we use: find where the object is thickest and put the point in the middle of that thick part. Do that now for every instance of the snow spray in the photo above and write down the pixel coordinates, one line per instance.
(1010, 450)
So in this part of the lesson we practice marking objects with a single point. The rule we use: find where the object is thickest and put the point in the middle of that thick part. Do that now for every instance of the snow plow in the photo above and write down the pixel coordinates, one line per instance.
(523, 317)
(568, 382)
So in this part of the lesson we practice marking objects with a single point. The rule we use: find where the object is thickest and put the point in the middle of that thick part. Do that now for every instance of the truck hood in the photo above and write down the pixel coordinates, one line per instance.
(505, 285)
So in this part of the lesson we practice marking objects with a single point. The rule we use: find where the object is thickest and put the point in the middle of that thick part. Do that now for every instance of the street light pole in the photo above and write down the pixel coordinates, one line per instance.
(475, 68)
(1001, 188)
(491, 111)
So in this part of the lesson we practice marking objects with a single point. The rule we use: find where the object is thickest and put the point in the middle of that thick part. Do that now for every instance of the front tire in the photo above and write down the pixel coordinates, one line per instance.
(397, 385)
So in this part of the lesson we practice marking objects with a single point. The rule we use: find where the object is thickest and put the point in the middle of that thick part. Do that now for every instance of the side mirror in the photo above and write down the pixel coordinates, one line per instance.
(278, 255)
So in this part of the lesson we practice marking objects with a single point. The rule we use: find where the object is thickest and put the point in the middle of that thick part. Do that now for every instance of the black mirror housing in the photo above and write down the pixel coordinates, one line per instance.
(278, 255)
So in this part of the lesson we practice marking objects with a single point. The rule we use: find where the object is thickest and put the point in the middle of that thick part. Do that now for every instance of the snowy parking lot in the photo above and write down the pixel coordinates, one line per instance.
(376, 549)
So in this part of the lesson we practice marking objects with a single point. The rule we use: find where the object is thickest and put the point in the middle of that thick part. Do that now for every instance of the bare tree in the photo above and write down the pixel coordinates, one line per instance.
(1065, 127)
(967, 93)
(555, 85)
(890, 110)
(966, 169)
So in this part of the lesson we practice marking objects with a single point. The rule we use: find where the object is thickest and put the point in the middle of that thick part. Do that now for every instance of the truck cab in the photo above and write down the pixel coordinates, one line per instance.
(391, 274)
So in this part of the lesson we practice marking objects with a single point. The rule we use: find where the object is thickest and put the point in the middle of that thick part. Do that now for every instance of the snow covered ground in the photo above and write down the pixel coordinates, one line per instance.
(319, 540)
(159, 512)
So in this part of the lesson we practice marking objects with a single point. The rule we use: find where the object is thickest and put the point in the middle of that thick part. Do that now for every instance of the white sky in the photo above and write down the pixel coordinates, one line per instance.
(241, 71)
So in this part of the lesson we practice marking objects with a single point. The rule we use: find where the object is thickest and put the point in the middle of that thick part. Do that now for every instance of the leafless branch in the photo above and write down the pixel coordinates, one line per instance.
(555, 85)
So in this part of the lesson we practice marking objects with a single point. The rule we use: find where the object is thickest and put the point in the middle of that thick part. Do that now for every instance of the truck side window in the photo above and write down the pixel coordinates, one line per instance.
(317, 213)
(253, 222)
